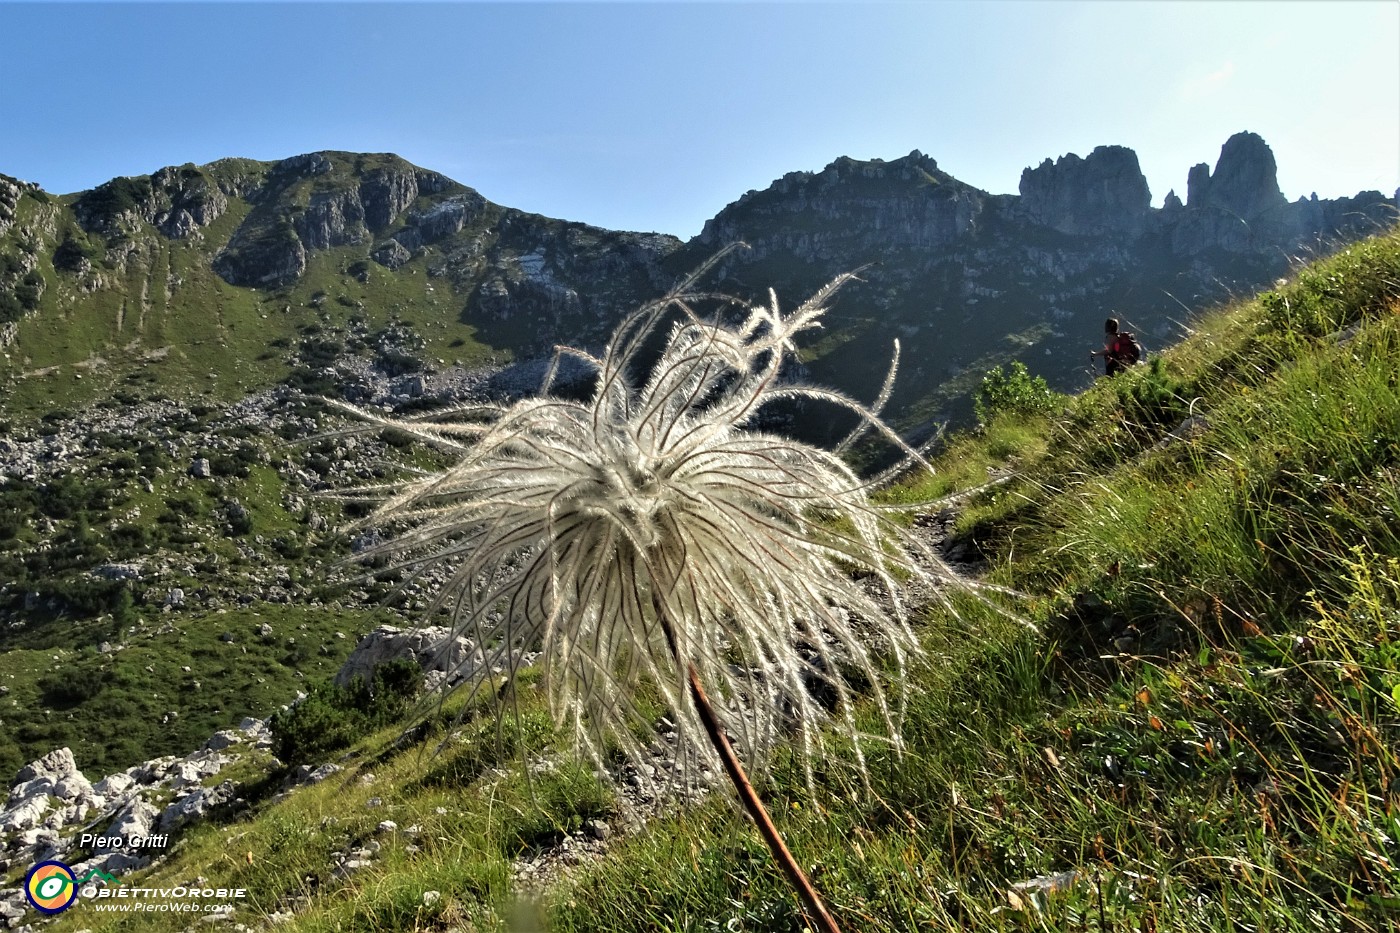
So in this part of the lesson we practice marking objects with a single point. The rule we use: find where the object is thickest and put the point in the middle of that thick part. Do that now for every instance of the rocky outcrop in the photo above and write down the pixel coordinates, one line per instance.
(51, 804)
(177, 201)
(195, 805)
(951, 271)
(315, 202)
(184, 200)
(338, 215)
(528, 286)
(10, 191)
(941, 258)
(1245, 180)
(1105, 193)
(334, 217)
(385, 194)
(1238, 208)
(854, 211)
(1345, 218)
(47, 791)
(22, 285)
(1197, 180)
(289, 170)
(435, 649)
(850, 209)
(562, 278)
(136, 818)
(391, 255)
(446, 218)
(433, 182)
(55, 770)
(263, 256)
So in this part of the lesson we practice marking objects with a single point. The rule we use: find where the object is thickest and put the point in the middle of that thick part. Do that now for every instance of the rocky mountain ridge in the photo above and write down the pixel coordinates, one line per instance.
(964, 278)
(967, 279)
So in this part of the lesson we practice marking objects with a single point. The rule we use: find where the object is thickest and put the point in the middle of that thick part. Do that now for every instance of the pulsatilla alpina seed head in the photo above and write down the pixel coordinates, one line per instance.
(622, 538)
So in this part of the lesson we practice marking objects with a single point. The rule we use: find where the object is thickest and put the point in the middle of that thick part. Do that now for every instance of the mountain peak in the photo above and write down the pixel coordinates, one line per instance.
(1245, 180)
(1104, 193)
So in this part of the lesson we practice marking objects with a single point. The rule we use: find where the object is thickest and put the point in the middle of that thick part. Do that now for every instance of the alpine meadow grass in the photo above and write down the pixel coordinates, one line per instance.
(653, 535)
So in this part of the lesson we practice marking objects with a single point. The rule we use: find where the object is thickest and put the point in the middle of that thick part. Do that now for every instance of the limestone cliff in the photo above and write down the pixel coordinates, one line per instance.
(966, 279)
(1104, 193)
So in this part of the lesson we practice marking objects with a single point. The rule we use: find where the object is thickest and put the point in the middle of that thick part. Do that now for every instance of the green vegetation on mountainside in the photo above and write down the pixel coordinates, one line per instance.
(1200, 733)
(175, 682)
(121, 309)
(95, 658)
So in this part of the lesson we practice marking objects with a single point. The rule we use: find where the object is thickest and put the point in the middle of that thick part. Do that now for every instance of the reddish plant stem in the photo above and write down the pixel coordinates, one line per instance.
(811, 901)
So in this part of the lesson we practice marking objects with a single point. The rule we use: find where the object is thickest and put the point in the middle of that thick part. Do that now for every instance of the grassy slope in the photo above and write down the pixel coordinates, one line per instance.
(111, 708)
(1200, 734)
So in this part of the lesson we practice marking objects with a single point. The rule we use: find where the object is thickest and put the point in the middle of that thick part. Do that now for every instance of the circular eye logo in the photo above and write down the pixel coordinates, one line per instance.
(51, 887)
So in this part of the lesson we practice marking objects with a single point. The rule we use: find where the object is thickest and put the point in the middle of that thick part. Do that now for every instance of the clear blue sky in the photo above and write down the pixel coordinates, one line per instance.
(653, 116)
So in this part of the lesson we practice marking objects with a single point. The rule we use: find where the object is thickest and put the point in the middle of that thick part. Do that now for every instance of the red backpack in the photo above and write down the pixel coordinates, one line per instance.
(1126, 349)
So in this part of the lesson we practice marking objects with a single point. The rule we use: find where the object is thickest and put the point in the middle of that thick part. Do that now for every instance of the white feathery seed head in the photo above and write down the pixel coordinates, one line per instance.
(651, 527)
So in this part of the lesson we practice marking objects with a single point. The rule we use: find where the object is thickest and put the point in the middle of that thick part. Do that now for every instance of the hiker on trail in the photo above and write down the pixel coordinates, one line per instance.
(1120, 349)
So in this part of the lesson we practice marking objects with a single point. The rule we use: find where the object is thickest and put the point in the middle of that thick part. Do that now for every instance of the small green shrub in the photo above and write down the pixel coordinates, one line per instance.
(396, 438)
(10, 308)
(116, 196)
(1154, 394)
(1013, 390)
(1300, 312)
(72, 254)
(68, 688)
(318, 353)
(311, 382)
(332, 717)
(64, 497)
(392, 692)
(130, 538)
(30, 290)
(237, 463)
(319, 724)
(240, 522)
